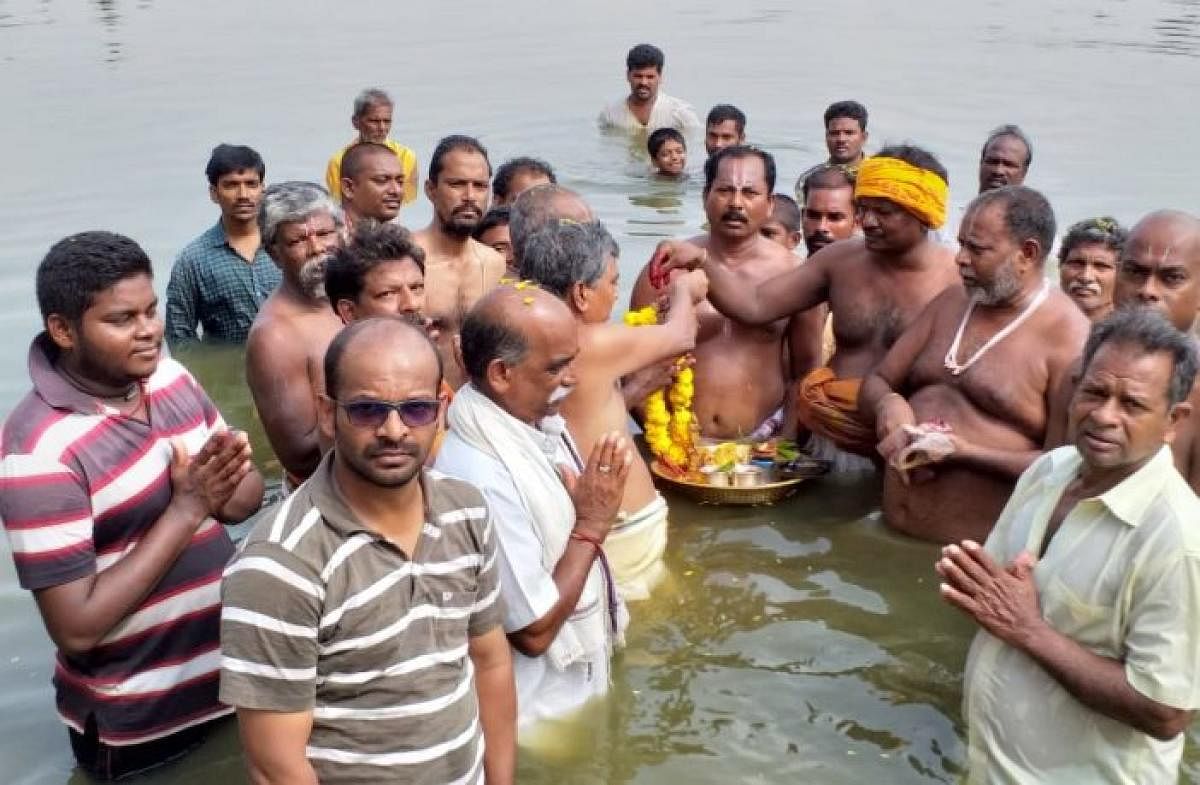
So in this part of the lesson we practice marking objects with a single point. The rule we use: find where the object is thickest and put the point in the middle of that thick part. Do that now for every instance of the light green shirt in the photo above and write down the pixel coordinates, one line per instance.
(1122, 578)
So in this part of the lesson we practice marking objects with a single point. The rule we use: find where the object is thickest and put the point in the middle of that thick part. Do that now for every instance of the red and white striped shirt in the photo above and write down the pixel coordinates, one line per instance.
(80, 484)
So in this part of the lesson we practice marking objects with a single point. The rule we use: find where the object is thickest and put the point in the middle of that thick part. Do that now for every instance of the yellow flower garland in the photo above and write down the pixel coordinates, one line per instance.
(669, 432)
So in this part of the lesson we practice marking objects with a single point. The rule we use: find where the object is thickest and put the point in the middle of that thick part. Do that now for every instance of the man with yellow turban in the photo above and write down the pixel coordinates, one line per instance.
(875, 286)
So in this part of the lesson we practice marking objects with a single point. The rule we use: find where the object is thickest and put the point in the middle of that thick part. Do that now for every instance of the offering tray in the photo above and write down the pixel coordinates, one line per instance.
(764, 493)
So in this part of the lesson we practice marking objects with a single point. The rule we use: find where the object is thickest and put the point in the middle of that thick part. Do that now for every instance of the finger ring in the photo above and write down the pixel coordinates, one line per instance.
(604, 468)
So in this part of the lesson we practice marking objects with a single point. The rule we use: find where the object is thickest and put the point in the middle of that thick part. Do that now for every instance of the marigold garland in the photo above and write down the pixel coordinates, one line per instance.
(669, 431)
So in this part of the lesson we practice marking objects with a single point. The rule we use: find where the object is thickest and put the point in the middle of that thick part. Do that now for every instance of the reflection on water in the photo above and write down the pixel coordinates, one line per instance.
(795, 643)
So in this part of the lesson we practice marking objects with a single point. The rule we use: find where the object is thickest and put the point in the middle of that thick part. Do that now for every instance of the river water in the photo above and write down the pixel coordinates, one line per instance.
(801, 642)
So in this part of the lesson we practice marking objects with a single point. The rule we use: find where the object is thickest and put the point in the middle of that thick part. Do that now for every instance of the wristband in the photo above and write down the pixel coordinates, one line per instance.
(593, 541)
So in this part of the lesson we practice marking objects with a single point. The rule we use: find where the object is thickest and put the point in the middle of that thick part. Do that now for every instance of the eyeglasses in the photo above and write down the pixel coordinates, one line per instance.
(368, 413)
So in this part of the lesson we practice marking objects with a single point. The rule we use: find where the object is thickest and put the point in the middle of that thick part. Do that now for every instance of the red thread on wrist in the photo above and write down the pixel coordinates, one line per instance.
(593, 541)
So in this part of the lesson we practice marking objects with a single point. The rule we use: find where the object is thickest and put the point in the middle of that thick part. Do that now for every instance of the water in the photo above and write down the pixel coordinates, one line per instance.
(798, 643)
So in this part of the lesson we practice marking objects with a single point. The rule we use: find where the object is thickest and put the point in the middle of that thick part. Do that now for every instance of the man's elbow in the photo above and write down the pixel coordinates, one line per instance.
(76, 643)
(531, 644)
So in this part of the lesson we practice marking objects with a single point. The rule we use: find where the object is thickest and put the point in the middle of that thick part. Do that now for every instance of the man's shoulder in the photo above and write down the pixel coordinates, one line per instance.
(200, 245)
(27, 423)
(450, 493)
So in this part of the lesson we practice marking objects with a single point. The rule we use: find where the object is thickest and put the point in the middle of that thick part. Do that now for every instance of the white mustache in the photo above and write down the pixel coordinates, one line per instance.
(559, 394)
(1083, 288)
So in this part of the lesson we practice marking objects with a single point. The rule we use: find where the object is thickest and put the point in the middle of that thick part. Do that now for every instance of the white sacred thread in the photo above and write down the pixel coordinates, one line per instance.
(952, 353)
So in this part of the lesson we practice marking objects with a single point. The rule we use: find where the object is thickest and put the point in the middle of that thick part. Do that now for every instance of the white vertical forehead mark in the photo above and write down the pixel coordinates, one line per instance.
(740, 173)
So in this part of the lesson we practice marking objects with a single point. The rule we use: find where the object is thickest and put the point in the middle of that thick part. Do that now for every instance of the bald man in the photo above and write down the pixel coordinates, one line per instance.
(372, 184)
(537, 206)
(1160, 268)
(552, 511)
(962, 401)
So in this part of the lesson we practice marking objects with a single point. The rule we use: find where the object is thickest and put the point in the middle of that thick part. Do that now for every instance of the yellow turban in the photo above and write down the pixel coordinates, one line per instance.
(917, 190)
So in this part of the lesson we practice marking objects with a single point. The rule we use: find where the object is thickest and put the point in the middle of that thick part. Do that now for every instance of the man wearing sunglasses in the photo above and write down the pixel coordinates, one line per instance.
(361, 633)
(551, 509)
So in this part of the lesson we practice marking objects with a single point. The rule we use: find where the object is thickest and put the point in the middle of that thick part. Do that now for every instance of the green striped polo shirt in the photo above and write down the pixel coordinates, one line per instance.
(320, 613)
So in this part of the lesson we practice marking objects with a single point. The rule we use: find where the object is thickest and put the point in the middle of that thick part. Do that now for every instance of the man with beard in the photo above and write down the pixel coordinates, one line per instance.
(372, 119)
(740, 375)
(962, 401)
(845, 137)
(372, 184)
(223, 276)
(300, 227)
(875, 287)
(646, 109)
(396, 567)
(458, 268)
(1005, 158)
(1160, 269)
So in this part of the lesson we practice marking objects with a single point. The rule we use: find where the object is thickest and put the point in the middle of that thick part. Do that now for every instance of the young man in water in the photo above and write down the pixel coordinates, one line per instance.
(724, 127)
(117, 473)
(458, 268)
(221, 279)
(646, 108)
(372, 118)
(976, 367)
(578, 263)
(845, 137)
(517, 175)
(372, 184)
(300, 228)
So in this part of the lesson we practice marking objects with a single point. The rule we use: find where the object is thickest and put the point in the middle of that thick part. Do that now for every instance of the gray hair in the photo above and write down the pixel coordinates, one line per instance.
(531, 211)
(1148, 330)
(1103, 231)
(563, 253)
(1016, 133)
(372, 96)
(292, 201)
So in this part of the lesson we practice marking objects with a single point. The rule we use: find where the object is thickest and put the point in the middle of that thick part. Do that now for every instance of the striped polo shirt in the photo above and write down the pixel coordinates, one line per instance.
(80, 484)
(322, 614)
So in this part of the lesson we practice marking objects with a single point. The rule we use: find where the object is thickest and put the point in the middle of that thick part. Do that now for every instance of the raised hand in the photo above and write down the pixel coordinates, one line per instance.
(673, 255)
(598, 490)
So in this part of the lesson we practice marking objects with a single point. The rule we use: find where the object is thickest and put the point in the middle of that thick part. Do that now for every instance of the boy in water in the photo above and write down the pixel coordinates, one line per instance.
(668, 152)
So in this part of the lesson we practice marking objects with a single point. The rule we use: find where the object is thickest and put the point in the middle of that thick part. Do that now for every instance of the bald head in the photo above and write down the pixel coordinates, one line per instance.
(536, 206)
(518, 346)
(381, 348)
(1160, 266)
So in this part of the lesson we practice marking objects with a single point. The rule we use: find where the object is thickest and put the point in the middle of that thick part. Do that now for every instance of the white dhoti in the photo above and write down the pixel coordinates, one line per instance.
(635, 548)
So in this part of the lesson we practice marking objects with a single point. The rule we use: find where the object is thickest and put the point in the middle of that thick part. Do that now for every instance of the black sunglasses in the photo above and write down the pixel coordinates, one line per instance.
(369, 413)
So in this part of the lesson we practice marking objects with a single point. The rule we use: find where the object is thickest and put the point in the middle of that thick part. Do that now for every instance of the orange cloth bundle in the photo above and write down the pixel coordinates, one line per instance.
(828, 406)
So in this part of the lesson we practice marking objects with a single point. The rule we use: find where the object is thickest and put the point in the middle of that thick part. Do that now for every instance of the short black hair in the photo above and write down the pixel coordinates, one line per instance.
(918, 157)
(341, 342)
(372, 244)
(645, 56)
(485, 336)
(497, 216)
(356, 157)
(1149, 330)
(1103, 231)
(713, 164)
(660, 137)
(449, 144)
(228, 158)
(849, 109)
(1027, 214)
(1013, 131)
(80, 266)
(510, 168)
(787, 212)
(828, 176)
(722, 112)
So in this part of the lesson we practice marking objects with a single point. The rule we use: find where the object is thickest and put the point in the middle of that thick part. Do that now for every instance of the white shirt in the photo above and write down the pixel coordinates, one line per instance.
(667, 112)
(1120, 577)
(526, 586)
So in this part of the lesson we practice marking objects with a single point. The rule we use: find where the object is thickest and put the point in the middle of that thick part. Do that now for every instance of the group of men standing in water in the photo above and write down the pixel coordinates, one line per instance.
(466, 515)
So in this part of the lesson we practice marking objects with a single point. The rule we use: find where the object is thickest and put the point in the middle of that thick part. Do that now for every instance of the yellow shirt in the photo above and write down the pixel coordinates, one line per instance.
(408, 162)
(1122, 578)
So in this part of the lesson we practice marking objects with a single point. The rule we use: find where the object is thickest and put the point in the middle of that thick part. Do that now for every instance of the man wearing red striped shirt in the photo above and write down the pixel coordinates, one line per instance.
(116, 470)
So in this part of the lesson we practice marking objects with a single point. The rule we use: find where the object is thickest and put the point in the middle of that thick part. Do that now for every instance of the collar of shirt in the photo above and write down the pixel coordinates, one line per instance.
(1129, 498)
(52, 387)
(328, 500)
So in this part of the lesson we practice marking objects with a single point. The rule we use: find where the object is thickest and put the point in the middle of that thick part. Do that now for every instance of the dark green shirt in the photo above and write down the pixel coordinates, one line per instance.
(214, 287)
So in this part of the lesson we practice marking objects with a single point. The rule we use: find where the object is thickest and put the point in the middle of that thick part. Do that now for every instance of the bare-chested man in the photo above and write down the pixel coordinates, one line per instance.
(1160, 268)
(578, 262)
(741, 377)
(300, 226)
(458, 268)
(875, 286)
(965, 396)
